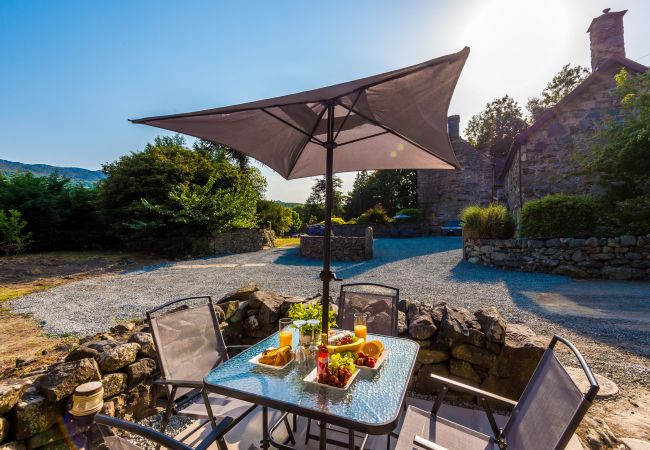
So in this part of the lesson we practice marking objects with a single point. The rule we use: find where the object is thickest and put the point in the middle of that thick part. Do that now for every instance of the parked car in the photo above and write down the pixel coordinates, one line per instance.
(451, 228)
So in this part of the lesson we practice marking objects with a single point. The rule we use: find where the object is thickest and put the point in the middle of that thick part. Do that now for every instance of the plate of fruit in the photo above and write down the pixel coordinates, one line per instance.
(371, 355)
(344, 341)
(274, 358)
(341, 371)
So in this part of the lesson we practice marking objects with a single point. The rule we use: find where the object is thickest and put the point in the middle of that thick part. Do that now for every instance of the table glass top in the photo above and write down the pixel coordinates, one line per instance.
(373, 398)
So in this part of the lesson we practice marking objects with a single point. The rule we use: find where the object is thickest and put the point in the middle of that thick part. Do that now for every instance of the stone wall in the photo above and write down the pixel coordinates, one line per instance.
(442, 194)
(242, 240)
(392, 229)
(343, 248)
(547, 162)
(34, 401)
(620, 258)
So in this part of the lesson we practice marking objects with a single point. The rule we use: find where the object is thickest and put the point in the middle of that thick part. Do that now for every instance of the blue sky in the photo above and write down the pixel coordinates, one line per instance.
(72, 72)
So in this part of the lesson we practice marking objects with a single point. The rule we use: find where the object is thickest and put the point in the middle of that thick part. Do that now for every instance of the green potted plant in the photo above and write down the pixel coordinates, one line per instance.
(303, 311)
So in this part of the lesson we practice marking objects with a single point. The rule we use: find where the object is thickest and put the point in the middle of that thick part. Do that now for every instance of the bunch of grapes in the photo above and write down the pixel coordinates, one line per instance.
(345, 340)
(365, 360)
(335, 377)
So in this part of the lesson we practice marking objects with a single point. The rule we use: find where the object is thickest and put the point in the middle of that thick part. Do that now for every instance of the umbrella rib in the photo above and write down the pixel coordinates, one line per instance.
(362, 138)
(399, 135)
(313, 130)
(310, 137)
(347, 115)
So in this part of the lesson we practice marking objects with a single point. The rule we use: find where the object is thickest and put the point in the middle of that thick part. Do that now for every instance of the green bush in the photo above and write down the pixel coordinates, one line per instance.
(414, 213)
(376, 214)
(559, 215)
(12, 237)
(491, 222)
(631, 216)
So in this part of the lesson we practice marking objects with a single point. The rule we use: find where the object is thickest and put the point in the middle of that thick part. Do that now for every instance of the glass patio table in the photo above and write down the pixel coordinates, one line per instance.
(372, 404)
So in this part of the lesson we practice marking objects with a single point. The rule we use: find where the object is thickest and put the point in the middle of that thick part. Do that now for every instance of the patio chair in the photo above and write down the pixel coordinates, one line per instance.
(379, 302)
(110, 441)
(189, 344)
(545, 417)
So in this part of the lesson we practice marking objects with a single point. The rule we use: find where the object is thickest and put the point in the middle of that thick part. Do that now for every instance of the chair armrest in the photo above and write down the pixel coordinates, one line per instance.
(425, 443)
(472, 390)
(180, 383)
(145, 432)
(237, 346)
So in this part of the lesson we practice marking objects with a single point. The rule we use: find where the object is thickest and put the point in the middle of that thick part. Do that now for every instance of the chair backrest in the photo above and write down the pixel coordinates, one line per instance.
(379, 302)
(188, 341)
(552, 405)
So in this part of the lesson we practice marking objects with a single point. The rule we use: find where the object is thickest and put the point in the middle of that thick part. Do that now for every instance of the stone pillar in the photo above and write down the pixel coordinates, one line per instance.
(607, 37)
(453, 126)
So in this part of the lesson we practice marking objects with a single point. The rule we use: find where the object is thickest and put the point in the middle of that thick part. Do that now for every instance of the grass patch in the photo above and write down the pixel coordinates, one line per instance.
(287, 242)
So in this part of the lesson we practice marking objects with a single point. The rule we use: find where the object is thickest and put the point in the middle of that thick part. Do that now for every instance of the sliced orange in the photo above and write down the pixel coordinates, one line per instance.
(373, 348)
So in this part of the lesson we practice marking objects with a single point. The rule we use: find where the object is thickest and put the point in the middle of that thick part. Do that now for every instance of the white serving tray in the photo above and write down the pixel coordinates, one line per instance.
(312, 378)
(256, 360)
(378, 363)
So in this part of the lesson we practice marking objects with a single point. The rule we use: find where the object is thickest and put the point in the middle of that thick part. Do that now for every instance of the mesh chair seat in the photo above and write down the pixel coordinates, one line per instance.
(445, 433)
(378, 302)
(118, 443)
(221, 406)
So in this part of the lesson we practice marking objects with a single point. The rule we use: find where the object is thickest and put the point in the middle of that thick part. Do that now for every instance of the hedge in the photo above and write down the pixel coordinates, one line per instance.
(559, 215)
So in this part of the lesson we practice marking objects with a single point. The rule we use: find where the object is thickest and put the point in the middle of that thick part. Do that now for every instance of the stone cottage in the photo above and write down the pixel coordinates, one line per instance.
(544, 159)
(442, 194)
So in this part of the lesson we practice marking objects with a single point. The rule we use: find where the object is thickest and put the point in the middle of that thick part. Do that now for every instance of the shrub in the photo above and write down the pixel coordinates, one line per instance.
(12, 237)
(376, 214)
(304, 311)
(491, 222)
(414, 213)
(338, 221)
(631, 216)
(559, 215)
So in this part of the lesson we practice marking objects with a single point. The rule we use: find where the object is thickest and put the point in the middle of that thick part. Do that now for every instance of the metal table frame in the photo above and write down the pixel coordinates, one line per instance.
(322, 417)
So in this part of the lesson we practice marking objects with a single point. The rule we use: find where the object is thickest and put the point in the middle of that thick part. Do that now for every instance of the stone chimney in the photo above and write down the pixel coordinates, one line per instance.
(606, 36)
(453, 126)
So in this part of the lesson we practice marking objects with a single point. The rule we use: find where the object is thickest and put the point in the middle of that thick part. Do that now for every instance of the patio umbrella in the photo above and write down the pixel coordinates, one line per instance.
(394, 120)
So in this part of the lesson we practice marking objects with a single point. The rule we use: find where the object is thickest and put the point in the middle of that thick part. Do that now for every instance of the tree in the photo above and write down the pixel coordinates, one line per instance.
(393, 189)
(314, 209)
(562, 83)
(282, 219)
(495, 128)
(218, 151)
(171, 198)
(12, 237)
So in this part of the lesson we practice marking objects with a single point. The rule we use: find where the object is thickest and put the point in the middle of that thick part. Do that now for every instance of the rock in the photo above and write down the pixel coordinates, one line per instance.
(464, 370)
(4, 429)
(229, 308)
(380, 321)
(431, 356)
(422, 327)
(493, 347)
(492, 323)
(219, 313)
(599, 436)
(243, 293)
(601, 256)
(552, 243)
(123, 328)
(251, 323)
(10, 392)
(62, 379)
(140, 370)
(21, 362)
(114, 384)
(402, 325)
(570, 271)
(475, 355)
(268, 304)
(437, 312)
(622, 273)
(423, 344)
(458, 326)
(33, 414)
(241, 313)
(103, 345)
(592, 242)
(115, 358)
(516, 363)
(145, 341)
(412, 310)
(81, 352)
(424, 384)
(628, 240)
(139, 402)
(54, 435)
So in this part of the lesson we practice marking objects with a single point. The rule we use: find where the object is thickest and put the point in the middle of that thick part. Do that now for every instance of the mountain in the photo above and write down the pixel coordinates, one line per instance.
(76, 174)
(288, 204)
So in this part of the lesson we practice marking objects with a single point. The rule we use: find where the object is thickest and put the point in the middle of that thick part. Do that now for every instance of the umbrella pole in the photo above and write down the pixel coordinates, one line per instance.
(327, 275)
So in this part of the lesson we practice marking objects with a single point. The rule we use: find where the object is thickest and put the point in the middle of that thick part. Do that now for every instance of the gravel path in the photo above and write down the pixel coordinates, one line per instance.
(428, 269)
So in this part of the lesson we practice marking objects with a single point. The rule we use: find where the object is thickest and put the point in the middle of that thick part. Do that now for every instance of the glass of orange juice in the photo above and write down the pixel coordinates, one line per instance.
(286, 332)
(360, 329)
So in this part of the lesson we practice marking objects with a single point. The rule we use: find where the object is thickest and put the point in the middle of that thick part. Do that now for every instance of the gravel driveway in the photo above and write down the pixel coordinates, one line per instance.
(427, 268)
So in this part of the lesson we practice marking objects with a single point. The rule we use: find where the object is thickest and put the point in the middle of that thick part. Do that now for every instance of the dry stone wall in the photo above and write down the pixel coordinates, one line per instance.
(343, 248)
(241, 241)
(619, 258)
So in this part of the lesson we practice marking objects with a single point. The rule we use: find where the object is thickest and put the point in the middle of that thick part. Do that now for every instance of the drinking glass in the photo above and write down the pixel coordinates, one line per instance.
(300, 354)
(313, 348)
(360, 329)
(286, 332)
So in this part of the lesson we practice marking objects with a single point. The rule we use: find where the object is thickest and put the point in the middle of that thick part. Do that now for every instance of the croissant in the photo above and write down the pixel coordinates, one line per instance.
(276, 356)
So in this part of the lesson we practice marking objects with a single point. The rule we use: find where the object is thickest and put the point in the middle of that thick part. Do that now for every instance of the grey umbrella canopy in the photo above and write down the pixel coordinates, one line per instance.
(394, 120)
